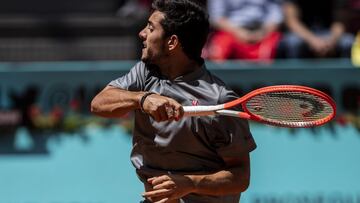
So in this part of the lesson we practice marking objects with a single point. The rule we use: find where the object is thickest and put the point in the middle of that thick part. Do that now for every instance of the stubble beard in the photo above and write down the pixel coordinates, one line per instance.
(147, 59)
(154, 59)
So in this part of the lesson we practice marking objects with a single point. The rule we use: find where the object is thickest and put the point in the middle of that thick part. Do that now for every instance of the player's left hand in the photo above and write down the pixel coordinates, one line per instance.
(168, 187)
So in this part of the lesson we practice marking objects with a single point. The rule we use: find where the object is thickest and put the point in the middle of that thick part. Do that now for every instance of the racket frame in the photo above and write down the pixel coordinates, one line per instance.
(223, 109)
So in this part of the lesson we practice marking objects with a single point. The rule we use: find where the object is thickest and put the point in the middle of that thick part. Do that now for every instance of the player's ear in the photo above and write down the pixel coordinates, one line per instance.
(173, 42)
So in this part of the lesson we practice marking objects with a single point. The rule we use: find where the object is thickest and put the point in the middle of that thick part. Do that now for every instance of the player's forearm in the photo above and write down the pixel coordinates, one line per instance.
(232, 181)
(114, 102)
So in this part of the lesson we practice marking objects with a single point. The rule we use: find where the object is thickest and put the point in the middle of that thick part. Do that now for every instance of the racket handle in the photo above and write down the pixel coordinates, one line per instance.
(201, 110)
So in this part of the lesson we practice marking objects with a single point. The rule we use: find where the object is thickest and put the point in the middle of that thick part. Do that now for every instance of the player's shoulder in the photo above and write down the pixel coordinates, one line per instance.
(226, 93)
(139, 65)
(213, 79)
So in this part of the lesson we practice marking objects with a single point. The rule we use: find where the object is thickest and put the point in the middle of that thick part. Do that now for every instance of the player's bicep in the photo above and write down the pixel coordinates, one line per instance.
(240, 169)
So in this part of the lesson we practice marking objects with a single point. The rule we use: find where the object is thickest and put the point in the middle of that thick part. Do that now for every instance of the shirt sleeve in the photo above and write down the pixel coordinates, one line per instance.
(231, 136)
(134, 80)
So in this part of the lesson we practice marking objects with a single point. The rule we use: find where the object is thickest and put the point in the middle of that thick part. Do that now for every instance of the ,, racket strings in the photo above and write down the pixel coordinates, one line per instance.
(289, 108)
(281, 105)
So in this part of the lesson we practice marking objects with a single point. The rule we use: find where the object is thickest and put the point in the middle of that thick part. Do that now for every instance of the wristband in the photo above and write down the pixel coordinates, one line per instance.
(142, 100)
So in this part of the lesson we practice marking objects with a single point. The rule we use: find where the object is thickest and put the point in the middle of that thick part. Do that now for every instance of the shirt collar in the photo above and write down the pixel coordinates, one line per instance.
(196, 74)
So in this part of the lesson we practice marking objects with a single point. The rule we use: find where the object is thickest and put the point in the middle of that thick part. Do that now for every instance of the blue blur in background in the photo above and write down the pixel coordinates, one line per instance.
(286, 167)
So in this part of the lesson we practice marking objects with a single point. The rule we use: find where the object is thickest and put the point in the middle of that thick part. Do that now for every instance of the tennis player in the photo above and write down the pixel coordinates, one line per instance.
(179, 159)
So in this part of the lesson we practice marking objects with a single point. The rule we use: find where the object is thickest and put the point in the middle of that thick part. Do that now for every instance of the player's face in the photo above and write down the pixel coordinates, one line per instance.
(154, 42)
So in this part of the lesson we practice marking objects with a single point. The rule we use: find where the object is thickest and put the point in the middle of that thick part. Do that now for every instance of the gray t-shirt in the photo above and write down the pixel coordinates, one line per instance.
(193, 144)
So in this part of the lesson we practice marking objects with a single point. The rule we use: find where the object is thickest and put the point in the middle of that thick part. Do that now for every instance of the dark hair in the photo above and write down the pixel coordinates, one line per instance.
(188, 20)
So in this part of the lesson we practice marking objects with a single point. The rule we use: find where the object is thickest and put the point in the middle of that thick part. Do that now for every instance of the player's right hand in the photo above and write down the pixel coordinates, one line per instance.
(162, 108)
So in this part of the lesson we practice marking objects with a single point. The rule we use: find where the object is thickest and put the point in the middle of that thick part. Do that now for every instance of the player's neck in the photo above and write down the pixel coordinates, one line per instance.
(177, 66)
